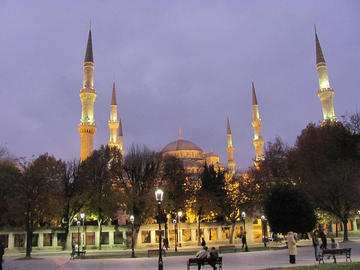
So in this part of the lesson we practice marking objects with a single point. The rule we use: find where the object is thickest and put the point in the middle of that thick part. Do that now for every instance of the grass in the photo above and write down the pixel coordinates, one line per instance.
(338, 266)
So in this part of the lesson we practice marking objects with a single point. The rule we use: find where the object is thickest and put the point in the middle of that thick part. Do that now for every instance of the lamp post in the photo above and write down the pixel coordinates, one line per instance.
(78, 242)
(132, 236)
(175, 225)
(243, 216)
(159, 197)
(179, 236)
(263, 226)
(82, 216)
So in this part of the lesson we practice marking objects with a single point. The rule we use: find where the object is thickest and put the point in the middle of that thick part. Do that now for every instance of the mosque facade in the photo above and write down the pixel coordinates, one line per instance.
(192, 155)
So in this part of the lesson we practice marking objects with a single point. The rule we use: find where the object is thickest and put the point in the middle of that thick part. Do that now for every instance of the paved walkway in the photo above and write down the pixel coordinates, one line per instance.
(231, 261)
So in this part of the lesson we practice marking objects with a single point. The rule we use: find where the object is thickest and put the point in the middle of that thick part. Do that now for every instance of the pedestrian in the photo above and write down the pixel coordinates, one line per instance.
(315, 241)
(166, 243)
(203, 243)
(292, 247)
(323, 240)
(2, 251)
(201, 256)
(213, 255)
(243, 240)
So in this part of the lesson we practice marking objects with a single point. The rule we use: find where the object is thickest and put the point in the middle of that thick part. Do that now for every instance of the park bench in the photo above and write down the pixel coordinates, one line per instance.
(75, 252)
(154, 252)
(204, 262)
(335, 252)
(227, 248)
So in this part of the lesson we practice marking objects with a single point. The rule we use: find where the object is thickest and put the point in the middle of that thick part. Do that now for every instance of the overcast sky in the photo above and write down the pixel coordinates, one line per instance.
(176, 64)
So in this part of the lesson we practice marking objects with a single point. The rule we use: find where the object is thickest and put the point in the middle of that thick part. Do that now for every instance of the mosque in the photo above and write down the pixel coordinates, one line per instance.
(191, 154)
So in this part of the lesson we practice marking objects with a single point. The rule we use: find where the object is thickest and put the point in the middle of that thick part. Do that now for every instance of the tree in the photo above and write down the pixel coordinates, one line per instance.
(173, 178)
(9, 174)
(32, 204)
(142, 169)
(241, 194)
(288, 208)
(72, 193)
(207, 195)
(327, 162)
(103, 188)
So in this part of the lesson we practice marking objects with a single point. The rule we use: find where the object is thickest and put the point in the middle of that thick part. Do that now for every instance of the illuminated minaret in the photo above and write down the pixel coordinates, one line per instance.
(325, 92)
(113, 122)
(230, 148)
(120, 139)
(256, 123)
(87, 127)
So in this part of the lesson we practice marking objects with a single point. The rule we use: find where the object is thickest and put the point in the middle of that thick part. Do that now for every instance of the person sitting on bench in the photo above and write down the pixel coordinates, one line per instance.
(213, 257)
(201, 256)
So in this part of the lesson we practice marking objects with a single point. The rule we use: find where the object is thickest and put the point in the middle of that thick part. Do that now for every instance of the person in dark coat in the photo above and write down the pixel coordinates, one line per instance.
(323, 240)
(243, 240)
(203, 243)
(213, 255)
(2, 251)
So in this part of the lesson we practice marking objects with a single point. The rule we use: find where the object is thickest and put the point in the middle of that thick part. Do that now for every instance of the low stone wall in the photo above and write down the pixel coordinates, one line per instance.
(119, 237)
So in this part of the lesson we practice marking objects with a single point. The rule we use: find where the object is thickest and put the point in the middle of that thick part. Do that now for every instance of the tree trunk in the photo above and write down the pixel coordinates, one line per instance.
(232, 233)
(345, 221)
(336, 230)
(29, 235)
(64, 243)
(100, 231)
(199, 235)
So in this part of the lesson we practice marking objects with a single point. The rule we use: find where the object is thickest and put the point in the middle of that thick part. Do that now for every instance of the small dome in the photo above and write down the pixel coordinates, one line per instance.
(181, 144)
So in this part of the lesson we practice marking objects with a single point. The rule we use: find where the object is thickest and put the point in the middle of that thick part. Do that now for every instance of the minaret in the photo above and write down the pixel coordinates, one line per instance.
(120, 139)
(256, 123)
(230, 148)
(325, 92)
(113, 122)
(87, 127)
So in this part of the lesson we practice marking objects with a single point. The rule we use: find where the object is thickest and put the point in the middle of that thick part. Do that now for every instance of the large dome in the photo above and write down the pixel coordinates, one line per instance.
(181, 144)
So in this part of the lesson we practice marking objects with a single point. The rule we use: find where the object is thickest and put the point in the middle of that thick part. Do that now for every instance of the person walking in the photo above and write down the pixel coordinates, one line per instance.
(203, 243)
(2, 251)
(292, 247)
(243, 240)
(315, 242)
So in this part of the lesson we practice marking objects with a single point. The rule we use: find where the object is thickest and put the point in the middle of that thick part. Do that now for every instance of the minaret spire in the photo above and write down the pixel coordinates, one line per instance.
(230, 148)
(121, 138)
(113, 122)
(87, 127)
(89, 51)
(325, 92)
(258, 141)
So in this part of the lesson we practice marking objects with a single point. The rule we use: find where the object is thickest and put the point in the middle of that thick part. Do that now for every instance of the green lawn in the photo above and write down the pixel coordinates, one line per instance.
(330, 266)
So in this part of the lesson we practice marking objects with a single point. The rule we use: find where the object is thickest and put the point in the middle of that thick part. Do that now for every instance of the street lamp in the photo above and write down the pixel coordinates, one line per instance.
(132, 236)
(78, 242)
(179, 236)
(159, 197)
(82, 216)
(175, 225)
(264, 229)
(243, 216)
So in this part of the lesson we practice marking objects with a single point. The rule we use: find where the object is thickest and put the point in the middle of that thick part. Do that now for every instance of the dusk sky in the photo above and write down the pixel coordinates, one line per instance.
(184, 64)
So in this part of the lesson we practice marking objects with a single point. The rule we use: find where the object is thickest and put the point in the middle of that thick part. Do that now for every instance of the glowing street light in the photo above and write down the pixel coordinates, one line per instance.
(132, 218)
(179, 234)
(159, 197)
